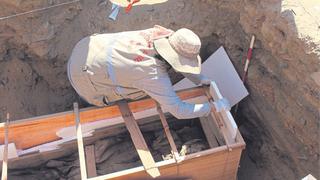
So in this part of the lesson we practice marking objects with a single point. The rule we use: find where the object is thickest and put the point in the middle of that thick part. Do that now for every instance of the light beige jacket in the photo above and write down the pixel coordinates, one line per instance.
(123, 66)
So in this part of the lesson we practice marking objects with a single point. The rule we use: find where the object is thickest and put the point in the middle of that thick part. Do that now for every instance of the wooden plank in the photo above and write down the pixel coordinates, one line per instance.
(83, 169)
(222, 127)
(212, 166)
(90, 161)
(167, 168)
(205, 165)
(224, 119)
(168, 133)
(4, 175)
(43, 129)
(218, 119)
(230, 127)
(215, 128)
(138, 140)
(211, 132)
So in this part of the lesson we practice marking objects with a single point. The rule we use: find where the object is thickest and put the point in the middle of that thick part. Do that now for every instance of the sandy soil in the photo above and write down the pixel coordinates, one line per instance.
(280, 119)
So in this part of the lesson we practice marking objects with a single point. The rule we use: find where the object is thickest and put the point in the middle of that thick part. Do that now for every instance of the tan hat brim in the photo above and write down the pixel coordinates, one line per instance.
(124, 3)
(178, 62)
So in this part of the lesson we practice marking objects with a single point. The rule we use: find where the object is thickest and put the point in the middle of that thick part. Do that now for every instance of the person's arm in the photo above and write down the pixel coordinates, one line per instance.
(160, 89)
(197, 79)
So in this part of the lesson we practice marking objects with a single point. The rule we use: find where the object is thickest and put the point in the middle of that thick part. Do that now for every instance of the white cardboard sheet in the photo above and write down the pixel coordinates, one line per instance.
(219, 68)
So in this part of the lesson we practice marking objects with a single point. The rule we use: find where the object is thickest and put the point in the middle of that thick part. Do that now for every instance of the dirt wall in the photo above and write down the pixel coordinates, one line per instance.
(280, 118)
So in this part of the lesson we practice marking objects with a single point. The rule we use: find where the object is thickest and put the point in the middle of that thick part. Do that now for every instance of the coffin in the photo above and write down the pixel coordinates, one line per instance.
(36, 140)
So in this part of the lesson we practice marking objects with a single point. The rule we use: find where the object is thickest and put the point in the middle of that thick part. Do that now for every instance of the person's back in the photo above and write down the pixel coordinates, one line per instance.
(119, 59)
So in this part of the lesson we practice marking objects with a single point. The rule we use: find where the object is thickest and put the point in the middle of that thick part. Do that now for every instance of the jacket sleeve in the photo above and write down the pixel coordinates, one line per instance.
(197, 79)
(160, 89)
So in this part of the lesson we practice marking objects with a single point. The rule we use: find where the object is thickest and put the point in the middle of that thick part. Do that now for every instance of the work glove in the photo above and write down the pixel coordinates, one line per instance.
(221, 104)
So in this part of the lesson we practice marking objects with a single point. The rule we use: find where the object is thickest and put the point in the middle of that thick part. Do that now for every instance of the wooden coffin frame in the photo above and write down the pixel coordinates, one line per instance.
(216, 163)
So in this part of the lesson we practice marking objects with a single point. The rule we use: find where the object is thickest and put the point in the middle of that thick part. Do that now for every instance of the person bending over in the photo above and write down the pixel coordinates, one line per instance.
(105, 68)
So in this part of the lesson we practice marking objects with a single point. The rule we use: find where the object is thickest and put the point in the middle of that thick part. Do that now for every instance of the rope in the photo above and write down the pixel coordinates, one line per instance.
(37, 10)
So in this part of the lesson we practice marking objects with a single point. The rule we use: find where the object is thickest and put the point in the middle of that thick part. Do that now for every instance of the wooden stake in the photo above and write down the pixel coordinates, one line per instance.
(138, 140)
(168, 133)
(82, 158)
(249, 54)
(246, 66)
(4, 175)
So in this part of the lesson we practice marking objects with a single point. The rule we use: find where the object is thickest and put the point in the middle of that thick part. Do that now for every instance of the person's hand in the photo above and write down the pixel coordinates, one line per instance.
(221, 104)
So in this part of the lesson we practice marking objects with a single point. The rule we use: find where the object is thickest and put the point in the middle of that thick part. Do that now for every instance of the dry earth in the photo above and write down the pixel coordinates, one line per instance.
(280, 118)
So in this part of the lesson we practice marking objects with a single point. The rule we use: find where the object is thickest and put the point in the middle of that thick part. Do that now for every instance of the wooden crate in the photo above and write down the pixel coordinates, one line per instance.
(217, 163)
(221, 161)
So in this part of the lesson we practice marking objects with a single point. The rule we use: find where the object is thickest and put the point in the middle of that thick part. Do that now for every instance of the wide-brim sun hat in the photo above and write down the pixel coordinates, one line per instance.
(181, 50)
(125, 3)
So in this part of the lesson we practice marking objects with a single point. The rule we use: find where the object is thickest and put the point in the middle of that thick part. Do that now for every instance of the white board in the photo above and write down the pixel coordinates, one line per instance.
(219, 68)
(12, 151)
